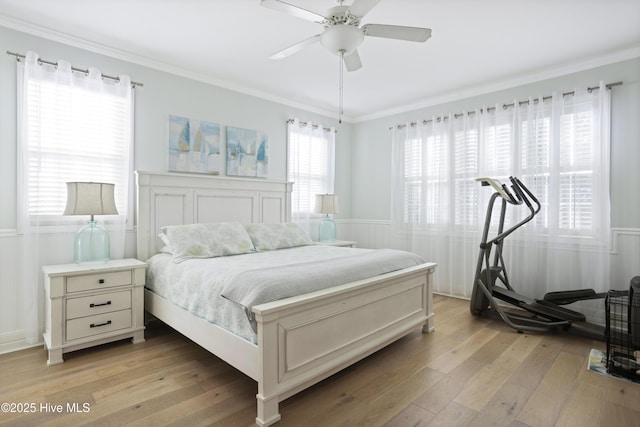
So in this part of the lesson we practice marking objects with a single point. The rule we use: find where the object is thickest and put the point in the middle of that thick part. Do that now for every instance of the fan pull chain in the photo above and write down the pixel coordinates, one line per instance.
(340, 87)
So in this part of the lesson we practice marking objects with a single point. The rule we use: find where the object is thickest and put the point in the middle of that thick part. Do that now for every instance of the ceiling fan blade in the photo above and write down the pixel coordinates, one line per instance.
(296, 47)
(360, 8)
(293, 10)
(352, 61)
(413, 34)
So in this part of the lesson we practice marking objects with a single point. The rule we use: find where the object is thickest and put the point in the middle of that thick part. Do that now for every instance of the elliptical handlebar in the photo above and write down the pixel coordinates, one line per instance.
(522, 195)
(500, 188)
(518, 194)
(519, 187)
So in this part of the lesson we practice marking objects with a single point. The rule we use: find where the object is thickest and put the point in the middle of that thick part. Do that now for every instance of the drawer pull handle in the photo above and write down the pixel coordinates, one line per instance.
(99, 305)
(95, 325)
(101, 281)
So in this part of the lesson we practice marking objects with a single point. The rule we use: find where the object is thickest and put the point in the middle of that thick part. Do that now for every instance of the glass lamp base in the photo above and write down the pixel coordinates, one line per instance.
(327, 230)
(92, 245)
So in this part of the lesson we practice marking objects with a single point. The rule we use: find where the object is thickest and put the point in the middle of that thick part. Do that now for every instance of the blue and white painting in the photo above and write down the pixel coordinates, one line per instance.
(194, 146)
(247, 152)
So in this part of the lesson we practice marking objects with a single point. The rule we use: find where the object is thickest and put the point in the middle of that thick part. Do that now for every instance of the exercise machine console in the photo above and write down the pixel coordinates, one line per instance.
(491, 282)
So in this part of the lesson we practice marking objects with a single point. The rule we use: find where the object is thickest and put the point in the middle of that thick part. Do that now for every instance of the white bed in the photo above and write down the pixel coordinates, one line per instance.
(302, 339)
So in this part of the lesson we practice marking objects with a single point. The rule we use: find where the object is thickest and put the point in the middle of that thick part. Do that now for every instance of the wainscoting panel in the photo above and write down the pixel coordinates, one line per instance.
(371, 234)
(625, 256)
(10, 327)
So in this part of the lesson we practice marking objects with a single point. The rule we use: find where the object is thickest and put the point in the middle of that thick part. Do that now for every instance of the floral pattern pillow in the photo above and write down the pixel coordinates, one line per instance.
(206, 240)
(267, 237)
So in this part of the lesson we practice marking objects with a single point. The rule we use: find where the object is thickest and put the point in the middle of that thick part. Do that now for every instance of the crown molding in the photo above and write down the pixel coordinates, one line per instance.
(69, 40)
(549, 73)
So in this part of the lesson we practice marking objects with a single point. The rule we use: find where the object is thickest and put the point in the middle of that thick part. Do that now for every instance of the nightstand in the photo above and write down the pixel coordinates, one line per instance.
(343, 243)
(92, 304)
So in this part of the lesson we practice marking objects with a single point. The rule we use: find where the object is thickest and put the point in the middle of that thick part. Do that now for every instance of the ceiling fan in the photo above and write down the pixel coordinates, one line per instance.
(342, 34)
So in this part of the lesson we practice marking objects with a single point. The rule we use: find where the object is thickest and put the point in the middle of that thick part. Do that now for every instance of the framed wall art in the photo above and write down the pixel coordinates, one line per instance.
(194, 146)
(247, 152)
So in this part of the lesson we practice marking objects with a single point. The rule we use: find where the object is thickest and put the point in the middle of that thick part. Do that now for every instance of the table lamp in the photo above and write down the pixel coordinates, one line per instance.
(327, 204)
(92, 243)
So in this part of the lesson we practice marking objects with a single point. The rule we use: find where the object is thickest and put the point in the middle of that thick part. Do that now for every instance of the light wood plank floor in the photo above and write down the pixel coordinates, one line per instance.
(470, 371)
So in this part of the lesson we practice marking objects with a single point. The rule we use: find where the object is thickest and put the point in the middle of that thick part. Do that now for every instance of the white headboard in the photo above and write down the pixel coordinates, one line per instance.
(173, 199)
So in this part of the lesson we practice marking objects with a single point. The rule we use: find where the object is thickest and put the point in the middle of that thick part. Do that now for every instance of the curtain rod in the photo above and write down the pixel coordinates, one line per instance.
(314, 126)
(504, 106)
(20, 56)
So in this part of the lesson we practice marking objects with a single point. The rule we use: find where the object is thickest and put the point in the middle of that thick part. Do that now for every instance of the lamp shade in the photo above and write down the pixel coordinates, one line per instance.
(327, 204)
(90, 198)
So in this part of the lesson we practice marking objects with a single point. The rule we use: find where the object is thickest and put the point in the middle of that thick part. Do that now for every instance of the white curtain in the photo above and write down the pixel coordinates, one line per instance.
(311, 155)
(557, 145)
(30, 291)
(66, 132)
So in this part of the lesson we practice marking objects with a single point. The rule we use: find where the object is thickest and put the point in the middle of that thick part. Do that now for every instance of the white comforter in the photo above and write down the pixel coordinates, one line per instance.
(197, 285)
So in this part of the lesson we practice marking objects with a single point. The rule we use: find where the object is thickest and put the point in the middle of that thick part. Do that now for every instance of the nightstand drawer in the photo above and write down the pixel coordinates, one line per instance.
(98, 304)
(98, 324)
(98, 281)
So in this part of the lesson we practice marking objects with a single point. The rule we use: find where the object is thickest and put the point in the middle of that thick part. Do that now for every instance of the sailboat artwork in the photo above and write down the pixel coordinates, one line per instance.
(194, 146)
(247, 152)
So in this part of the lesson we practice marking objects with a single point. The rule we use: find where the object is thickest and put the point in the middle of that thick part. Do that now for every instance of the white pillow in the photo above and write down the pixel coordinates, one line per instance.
(267, 237)
(206, 240)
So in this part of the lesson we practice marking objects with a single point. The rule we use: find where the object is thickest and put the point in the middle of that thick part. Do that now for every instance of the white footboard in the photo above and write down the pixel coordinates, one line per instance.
(308, 338)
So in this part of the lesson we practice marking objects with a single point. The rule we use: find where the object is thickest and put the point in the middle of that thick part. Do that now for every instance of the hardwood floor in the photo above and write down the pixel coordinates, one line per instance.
(470, 371)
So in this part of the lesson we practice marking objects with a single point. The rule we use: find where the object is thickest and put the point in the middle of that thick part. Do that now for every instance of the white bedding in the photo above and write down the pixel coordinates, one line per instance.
(197, 284)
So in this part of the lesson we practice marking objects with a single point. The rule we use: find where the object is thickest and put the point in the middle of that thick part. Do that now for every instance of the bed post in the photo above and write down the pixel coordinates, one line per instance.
(267, 411)
(142, 230)
(429, 324)
(268, 397)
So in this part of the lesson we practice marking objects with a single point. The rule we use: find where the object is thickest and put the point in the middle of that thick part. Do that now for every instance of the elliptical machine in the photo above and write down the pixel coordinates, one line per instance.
(491, 281)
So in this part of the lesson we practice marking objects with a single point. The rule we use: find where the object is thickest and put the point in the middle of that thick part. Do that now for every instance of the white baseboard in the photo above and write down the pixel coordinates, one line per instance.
(14, 341)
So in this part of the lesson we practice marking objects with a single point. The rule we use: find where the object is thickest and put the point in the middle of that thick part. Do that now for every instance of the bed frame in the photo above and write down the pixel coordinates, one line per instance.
(303, 339)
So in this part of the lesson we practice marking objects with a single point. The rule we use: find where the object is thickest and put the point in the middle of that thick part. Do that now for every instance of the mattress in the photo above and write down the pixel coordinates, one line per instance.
(223, 290)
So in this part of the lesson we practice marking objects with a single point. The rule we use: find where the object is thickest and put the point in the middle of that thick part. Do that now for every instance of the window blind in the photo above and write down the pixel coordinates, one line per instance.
(72, 132)
(310, 165)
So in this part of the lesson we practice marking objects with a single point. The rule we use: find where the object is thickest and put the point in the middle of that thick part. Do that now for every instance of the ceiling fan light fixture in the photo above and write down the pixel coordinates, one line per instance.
(343, 34)
(342, 39)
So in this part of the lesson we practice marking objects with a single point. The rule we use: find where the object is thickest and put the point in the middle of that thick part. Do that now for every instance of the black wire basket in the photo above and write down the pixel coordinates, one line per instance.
(623, 331)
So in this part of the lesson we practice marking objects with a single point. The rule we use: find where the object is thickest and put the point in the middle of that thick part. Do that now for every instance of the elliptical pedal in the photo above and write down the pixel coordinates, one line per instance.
(552, 311)
(568, 297)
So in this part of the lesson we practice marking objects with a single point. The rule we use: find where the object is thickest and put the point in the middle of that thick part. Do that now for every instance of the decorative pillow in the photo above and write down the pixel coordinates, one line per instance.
(267, 237)
(165, 250)
(167, 244)
(206, 240)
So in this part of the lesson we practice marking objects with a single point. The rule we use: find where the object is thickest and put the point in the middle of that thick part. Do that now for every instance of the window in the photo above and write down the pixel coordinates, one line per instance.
(73, 127)
(555, 145)
(465, 170)
(310, 165)
(561, 170)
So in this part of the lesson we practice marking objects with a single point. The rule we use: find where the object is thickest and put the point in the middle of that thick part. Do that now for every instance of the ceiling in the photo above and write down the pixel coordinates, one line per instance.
(476, 46)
